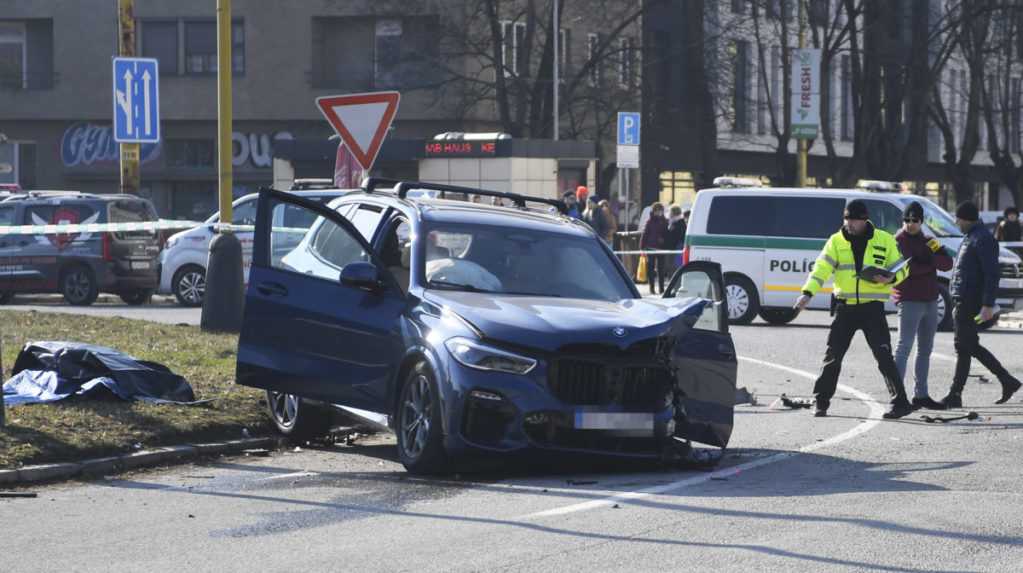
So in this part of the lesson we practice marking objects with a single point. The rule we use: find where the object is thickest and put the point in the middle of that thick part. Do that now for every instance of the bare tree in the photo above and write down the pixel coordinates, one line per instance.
(1000, 97)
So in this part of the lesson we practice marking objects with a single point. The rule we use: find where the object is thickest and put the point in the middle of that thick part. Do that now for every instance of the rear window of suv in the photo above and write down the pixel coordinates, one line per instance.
(772, 216)
(132, 211)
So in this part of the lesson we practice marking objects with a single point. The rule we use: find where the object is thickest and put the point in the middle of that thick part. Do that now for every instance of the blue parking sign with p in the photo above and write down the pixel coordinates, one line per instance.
(628, 128)
(136, 100)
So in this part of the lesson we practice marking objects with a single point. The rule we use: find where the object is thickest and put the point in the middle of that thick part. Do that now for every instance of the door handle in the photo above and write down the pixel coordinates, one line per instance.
(726, 350)
(272, 289)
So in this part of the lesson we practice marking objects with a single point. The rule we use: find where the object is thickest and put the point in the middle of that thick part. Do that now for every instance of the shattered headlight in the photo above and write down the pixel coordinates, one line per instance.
(482, 357)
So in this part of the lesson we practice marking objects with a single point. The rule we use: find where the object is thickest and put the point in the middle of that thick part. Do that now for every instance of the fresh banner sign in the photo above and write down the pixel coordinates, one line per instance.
(806, 93)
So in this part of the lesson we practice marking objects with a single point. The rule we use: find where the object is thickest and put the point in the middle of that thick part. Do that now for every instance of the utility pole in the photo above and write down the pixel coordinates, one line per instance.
(802, 143)
(222, 302)
(556, 26)
(126, 49)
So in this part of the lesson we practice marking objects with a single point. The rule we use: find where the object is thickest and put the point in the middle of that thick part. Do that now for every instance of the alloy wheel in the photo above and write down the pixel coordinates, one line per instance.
(415, 417)
(77, 285)
(192, 286)
(284, 408)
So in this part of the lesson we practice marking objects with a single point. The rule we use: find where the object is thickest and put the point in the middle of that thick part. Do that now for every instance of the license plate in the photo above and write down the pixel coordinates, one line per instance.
(614, 421)
(140, 265)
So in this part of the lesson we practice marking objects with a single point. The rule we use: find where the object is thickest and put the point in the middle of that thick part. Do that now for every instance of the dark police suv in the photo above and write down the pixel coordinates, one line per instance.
(479, 328)
(78, 265)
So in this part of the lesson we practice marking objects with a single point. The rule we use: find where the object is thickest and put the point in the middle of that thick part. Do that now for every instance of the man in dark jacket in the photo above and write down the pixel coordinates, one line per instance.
(1010, 230)
(917, 297)
(974, 285)
(654, 233)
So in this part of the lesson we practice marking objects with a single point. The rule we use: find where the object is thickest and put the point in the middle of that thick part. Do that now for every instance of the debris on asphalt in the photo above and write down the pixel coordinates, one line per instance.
(785, 403)
(19, 494)
(942, 420)
(297, 449)
(744, 396)
(616, 506)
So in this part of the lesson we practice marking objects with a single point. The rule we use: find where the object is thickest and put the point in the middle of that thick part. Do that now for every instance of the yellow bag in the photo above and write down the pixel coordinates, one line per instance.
(641, 269)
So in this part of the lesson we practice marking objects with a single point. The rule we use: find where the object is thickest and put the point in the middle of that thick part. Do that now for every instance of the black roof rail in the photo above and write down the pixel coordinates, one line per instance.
(403, 187)
(370, 184)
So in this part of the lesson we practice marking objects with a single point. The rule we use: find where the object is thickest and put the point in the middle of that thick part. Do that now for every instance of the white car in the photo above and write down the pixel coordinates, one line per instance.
(183, 260)
(767, 239)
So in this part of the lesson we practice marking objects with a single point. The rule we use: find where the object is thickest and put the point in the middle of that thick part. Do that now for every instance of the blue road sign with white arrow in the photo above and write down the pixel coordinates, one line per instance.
(136, 100)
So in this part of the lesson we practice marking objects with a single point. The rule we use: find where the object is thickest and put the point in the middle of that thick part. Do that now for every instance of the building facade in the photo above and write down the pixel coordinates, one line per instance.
(56, 102)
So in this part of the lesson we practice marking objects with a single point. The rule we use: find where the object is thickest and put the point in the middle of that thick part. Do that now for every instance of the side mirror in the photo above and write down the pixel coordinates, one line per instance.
(361, 275)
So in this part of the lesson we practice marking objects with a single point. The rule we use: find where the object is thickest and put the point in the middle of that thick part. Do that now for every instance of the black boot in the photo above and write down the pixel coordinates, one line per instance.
(898, 410)
(953, 400)
(1009, 388)
(927, 403)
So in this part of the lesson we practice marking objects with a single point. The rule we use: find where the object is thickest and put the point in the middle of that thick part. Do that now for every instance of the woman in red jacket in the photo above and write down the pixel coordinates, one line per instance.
(917, 297)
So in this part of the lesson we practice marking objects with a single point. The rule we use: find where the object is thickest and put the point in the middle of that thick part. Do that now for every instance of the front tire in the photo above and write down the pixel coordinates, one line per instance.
(189, 285)
(743, 300)
(778, 316)
(297, 418)
(78, 285)
(418, 425)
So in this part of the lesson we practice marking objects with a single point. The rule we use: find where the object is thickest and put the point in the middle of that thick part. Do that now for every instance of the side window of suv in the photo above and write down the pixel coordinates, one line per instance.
(366, 219)
(7, 215)
(244, 213)
(884, 215)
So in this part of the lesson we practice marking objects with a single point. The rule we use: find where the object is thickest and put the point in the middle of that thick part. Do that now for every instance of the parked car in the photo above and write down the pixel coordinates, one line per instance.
(474, 328)
(79, 265)
(767, 240)
(183, 260)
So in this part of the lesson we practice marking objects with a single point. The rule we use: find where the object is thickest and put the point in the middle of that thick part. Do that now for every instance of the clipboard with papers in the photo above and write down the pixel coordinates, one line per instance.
(871, 272)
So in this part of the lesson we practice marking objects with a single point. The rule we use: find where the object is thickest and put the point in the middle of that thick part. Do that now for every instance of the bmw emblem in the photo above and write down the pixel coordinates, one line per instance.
(619, 332)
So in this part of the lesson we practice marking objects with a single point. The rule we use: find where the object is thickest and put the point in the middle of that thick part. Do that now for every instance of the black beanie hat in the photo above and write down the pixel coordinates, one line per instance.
(967, 211)
(914, 211)
(856, 209)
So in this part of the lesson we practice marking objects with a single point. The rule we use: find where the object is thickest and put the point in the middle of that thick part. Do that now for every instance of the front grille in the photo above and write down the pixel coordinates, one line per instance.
(1011, 271)
(592, 383)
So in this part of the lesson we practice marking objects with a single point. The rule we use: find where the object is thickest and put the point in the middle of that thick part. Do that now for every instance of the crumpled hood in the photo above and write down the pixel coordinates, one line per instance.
(550, 323)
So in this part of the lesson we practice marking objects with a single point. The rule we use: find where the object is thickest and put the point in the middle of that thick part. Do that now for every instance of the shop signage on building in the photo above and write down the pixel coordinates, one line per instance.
(86, 144)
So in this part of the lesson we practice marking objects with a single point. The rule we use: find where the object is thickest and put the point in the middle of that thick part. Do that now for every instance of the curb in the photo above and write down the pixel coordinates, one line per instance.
(114, 464)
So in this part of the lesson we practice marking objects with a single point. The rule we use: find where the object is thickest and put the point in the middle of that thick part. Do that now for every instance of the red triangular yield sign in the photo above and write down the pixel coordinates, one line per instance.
(362, 121)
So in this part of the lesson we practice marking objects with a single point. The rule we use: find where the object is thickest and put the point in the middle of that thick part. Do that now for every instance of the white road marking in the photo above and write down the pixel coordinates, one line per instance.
(291, 475)
(874, 419)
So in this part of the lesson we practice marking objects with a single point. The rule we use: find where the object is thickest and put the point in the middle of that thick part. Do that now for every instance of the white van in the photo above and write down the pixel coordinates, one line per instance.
(767, 240)
(183, 260)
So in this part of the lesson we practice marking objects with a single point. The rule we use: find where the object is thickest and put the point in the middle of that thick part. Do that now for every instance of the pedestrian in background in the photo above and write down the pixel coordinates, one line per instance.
(1010, 230)
(675, 238)
(917, 299)
(610, 222)
(860, 304)
(572, 203)
(595, 218)
(654, 234)
(581, 194)
(974, 286)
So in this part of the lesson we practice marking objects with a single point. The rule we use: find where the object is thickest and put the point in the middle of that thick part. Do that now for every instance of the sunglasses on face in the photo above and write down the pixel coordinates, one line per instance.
(911, 220)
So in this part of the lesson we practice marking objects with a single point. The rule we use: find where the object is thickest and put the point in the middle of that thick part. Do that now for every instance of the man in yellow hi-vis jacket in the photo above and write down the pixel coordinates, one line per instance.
(860, 303)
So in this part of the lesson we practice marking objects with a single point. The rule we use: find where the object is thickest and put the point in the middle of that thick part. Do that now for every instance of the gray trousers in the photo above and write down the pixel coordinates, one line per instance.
(917, 321)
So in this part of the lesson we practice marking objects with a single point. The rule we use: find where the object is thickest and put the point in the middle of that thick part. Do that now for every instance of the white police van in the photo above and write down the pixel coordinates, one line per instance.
(767, 239)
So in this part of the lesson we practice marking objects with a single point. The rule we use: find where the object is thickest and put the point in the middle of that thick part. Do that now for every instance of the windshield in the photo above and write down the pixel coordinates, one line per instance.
(937, 219)
(514, 261)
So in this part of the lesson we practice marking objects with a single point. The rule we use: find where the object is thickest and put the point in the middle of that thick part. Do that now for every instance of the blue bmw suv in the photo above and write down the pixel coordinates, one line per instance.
(472, 328)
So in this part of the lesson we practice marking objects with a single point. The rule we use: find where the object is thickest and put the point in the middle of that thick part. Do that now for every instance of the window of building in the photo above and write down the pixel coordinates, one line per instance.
(763, 119)
(777, 65)
(195, 153)
(776, 8)
(398, 52)
(625, 63)
(741, 86)
(1015, 115)
(13, 56)
(846, 128)
(160, 41)
(818, 13)
(520, 65)
(506, 48)
(739, 6)
(564, 52)
(592, 46)
(201, 47)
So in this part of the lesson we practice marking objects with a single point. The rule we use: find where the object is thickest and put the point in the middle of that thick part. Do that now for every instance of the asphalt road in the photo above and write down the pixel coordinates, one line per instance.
(845, 493)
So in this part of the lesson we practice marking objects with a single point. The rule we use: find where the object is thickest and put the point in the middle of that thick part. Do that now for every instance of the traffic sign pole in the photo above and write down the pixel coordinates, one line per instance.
(224, 108)
(130, 179)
